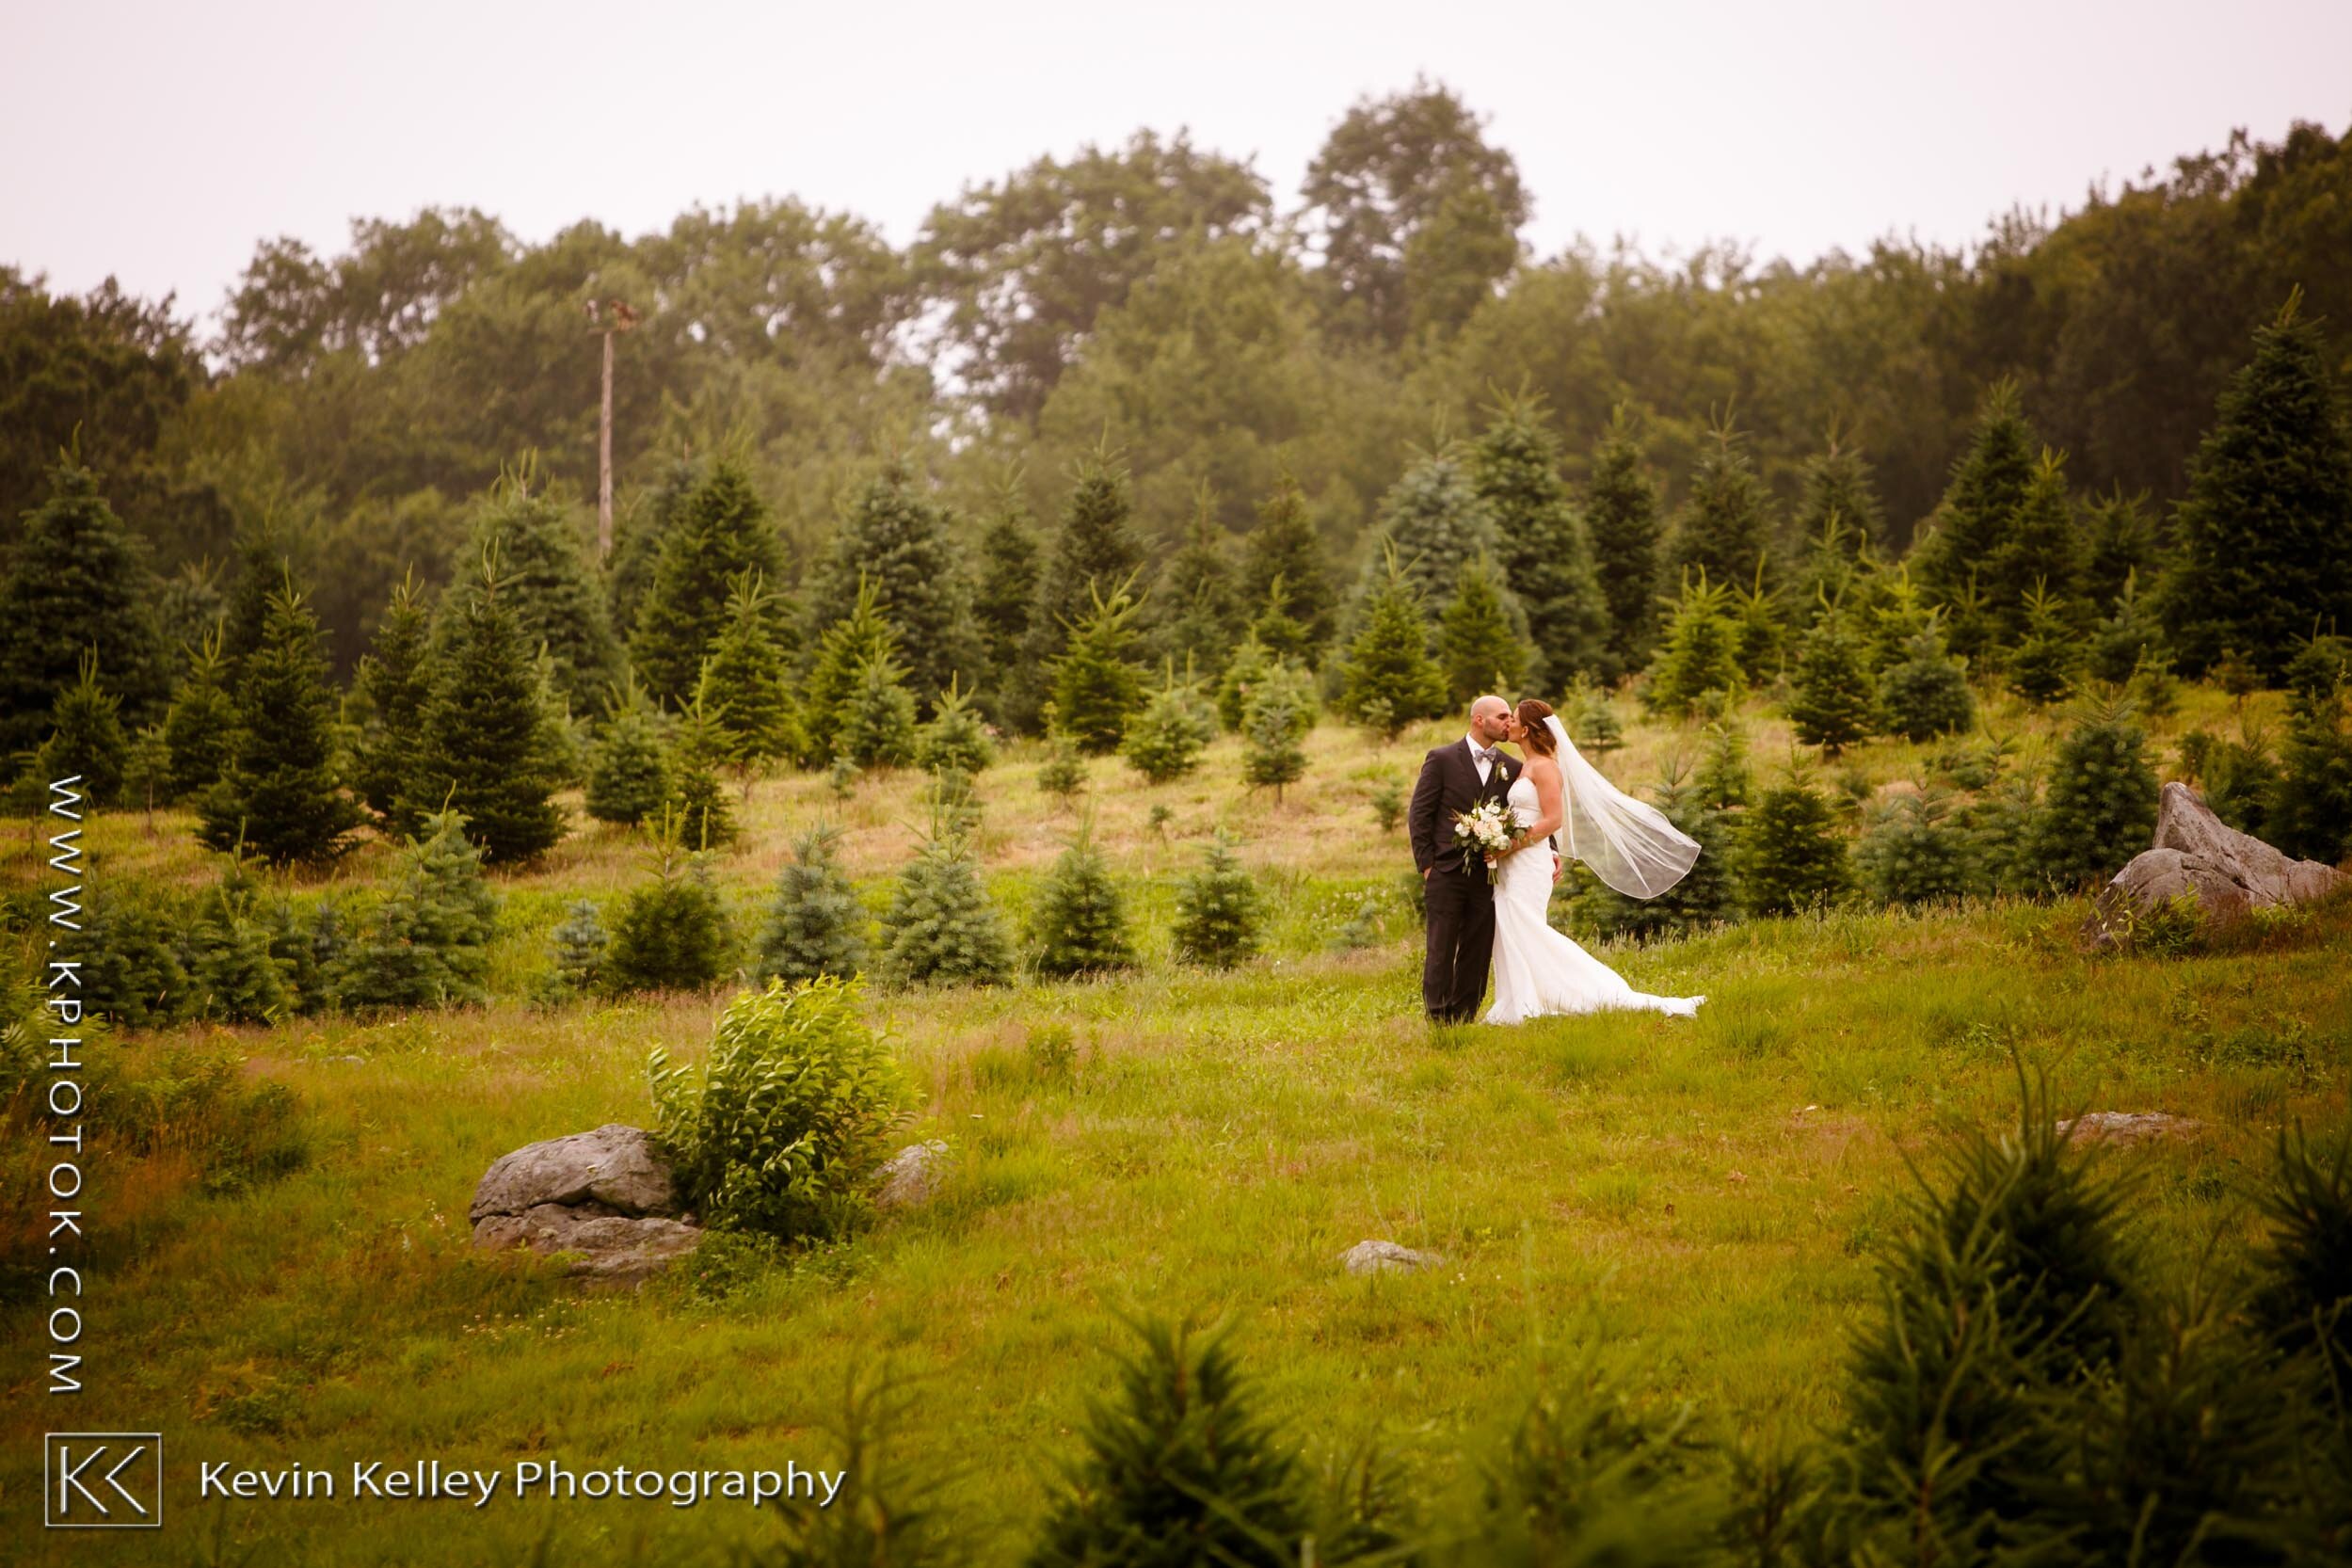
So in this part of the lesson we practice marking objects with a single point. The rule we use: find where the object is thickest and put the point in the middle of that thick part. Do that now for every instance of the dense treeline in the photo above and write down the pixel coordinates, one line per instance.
(1163, 294)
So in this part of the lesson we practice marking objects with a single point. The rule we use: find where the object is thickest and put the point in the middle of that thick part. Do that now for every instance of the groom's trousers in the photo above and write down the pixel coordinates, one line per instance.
(1460, 944)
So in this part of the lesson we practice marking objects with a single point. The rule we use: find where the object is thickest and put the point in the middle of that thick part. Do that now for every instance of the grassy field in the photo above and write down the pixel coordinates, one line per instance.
(1697, 1198)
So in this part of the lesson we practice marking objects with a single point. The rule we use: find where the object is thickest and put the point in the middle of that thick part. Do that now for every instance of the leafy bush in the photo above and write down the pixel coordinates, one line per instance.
(781, 1130)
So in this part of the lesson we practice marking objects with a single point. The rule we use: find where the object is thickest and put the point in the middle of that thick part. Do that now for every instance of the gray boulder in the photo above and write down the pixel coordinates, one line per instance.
(911, 1176)
(2227, 872)
(606, 1198)
(1386, 1257)
(2127, 1127)
(615, 1166)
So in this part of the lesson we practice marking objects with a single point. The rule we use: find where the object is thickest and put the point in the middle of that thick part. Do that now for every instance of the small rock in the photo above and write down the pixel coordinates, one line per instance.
(613, 1249)
(2126, 1127)
(912, 1176)
(615, 1166)
(1386, 1257)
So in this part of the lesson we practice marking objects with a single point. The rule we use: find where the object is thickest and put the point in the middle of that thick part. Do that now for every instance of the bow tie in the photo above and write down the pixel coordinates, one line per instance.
(1482, 754)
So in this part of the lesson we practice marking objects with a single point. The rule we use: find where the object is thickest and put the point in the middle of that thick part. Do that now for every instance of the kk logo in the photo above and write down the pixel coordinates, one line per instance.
(104, 1480)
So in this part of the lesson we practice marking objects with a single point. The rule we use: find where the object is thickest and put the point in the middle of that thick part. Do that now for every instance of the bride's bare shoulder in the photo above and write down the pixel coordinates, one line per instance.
(1540, 767)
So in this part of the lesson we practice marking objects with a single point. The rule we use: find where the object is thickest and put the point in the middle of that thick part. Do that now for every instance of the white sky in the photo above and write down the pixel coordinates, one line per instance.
(162, 141)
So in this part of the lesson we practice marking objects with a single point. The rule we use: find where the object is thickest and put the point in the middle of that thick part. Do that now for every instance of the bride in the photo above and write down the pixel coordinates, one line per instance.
(1628, 845)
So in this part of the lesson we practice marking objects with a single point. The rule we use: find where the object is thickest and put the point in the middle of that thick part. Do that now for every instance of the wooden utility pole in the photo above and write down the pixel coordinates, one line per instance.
(623, 318)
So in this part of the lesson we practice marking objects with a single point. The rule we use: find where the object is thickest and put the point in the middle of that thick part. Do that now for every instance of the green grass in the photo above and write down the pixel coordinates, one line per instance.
(1699, 1197)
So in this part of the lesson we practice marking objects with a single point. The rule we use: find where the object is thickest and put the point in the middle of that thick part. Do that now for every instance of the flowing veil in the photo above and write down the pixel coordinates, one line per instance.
(1625, 842)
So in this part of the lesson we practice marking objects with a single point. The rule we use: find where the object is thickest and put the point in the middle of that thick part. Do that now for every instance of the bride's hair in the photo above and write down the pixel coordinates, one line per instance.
(1532, 712)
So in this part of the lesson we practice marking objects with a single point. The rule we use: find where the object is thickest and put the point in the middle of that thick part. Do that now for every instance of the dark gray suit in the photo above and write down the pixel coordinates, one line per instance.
(1461, 900)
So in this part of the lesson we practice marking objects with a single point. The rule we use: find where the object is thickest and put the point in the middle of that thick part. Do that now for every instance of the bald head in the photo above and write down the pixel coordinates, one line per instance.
(1490, 719)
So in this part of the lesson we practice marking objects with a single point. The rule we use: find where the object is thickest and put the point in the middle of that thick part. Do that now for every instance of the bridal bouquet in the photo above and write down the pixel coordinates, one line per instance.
(1488, 828)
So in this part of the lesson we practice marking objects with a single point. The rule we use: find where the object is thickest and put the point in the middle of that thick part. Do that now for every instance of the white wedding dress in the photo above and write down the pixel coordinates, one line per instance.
(1538, 972)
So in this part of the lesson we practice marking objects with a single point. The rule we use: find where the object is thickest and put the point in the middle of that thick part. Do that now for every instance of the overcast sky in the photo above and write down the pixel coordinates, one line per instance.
(161, 142)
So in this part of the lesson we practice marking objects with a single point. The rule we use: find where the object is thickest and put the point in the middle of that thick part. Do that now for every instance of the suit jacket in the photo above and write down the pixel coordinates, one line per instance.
(1449, 783)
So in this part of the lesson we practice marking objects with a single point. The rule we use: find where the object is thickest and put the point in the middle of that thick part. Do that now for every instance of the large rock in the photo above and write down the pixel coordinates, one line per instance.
(605, 1197)
(2227, 872)
(615, 1166)
(2127, 1127)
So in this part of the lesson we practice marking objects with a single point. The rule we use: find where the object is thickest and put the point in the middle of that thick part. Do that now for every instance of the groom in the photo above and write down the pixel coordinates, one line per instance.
(1461, 902)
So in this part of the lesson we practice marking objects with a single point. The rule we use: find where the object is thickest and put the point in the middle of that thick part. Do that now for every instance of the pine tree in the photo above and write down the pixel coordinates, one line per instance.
(395, 681)
(1439, 524)
(1179, 1469)
(1898, 614)
(582, 947)
(1698, 654)
(745, 677)
(1063, 774)
(556, 599)
(1540, 541)
(2100, 807)
(2119, 543)
(2266, 533)
(77, 579)
(2309, 810)
(230, 970)
(671, 933)
(1095, 553)
(1915, 851)
(2129, 638)
(1006, 595)
(724, 531)
(1273, 724)
(877, 727)
(1219, 911)
(147, 773)
(705, 820)
(2042, 551)
(1285, 564)
(639, 534)
(629, 780)
(954, 738)
(1203, 618)
(1831, 574)
(1388, 679)
(816, 926)
(943, 928)
(429, 942)
(1926, 693)
(201, 725)
(1834, 705)
(1758, 636)
(489, 748)
(1725, 528)
(191, 605)
(1249, 664)
(860, 638)
(132, 955)
(1080, 927)
(2046, 663)
(1280, 632)
(1166, 739)
(1835, 487)
(279, 795)
(1977, 520)
(895, 538)
(1482, 638)
(1792, 854)
(2002, 828)
(262, 569)
(1722, 783)
(1621, 507)
(86, 737)
(1097, 684)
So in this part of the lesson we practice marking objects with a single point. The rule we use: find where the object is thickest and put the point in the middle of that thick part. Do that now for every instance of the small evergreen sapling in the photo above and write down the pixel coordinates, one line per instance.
(202, 722)
(698, 748)
(877, 727)
(428, 942)
(816, 926)
(1915, 851)
(1792, 853)
(1063, 774)
(280, 794)
(1699, 652)
(581, 945)
(629, 777)
(1389, 678)
(1832, 707)
(943, 927)
(2100, 807)
(954, 738)
(671, 933)
(86, 737)
(2048, 662)
(1096, 685)
(1166, 740)
(1080, 927)
(1924, 694)
(1219, 912)
(1277, 722)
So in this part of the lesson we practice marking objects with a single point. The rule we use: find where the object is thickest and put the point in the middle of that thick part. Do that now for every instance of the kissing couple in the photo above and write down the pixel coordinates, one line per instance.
(1487, 899)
